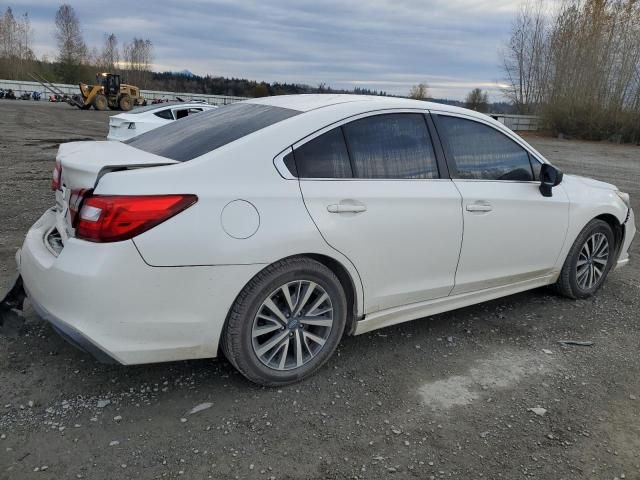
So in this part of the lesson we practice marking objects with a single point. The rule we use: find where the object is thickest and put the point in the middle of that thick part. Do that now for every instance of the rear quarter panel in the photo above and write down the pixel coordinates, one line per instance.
(242, 170)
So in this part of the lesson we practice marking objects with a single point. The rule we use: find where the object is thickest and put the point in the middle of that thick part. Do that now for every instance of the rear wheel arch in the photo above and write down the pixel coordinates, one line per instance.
(339, 270)
(348, 285)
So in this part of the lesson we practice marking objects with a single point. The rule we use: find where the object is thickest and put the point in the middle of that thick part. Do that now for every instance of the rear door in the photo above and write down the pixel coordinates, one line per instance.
(511, 232)
(373, 187)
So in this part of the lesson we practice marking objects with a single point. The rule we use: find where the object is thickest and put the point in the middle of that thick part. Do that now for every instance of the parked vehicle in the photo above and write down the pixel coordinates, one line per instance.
(36, 96)
(25, 96)
(130, 124)
(9, 94)
(1, 93)
(295, 220)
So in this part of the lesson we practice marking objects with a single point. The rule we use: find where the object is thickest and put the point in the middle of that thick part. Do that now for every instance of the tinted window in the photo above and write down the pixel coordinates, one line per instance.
(166, 114)
(482, 152)
(395, 145)
(199, 134)
(323, 157)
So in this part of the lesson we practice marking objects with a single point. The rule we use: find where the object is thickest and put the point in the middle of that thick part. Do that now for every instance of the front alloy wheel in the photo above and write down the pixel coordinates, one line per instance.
(588, 262)
(592, 261)
(286, 322)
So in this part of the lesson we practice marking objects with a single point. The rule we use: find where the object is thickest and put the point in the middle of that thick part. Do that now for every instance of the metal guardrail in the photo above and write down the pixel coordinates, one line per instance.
(19, 87)
(521, 123)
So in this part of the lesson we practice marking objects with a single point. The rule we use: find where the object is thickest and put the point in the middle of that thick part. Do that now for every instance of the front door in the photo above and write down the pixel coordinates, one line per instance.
(511, 232)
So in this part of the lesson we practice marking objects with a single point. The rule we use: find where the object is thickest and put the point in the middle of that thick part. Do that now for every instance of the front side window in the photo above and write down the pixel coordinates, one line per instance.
(395, 145)
(482, 152)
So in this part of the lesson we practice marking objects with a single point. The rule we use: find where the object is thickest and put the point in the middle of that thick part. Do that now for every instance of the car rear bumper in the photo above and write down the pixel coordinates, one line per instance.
(106, 300)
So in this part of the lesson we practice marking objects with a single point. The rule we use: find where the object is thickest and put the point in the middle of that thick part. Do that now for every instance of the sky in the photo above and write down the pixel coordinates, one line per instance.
(452, 45)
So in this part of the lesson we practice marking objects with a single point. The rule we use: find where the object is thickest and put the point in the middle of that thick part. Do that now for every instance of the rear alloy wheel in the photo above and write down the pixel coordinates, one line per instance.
(588, 262)
(286, 323)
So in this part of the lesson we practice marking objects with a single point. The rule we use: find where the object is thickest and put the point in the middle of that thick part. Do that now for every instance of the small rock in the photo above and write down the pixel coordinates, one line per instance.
(200, 407)
(103, 403)
(183, 420)
(548, 352)
(117, 418)
(538, 411)
(396, 431)
(391, 470)
(113, 443)
(3, 436)
(482, 435)
(30, 403)
(44, 468)
(633, 397)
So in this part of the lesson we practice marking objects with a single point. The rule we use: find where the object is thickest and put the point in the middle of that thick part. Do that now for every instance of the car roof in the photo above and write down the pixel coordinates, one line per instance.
(308, 102)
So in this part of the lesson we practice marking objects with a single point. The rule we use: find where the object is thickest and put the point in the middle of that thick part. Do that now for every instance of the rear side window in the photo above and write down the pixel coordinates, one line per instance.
(196, 135)
(166, 114)
(482, 152)
(387, 146)
(391, 146)
(325, 156)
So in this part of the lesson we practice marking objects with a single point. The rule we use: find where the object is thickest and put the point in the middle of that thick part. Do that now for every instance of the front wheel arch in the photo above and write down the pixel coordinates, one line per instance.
(618, 230)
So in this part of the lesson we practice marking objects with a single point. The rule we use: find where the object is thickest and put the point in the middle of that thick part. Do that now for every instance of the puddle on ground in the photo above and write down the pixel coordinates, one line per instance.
(502, 370)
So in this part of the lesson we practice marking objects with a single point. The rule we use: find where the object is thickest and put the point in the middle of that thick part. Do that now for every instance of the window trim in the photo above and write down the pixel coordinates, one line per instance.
(532, 154)
(284, 172)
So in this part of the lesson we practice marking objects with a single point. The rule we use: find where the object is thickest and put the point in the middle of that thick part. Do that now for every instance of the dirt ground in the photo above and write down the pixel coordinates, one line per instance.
(445, 397)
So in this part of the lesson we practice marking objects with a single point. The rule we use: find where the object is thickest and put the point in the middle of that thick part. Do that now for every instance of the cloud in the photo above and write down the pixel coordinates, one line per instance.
(383, 44)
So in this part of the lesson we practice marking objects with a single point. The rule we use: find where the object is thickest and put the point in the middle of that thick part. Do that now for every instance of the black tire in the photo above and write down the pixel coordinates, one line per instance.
(567, 283)
(237, 341)
(100, 102)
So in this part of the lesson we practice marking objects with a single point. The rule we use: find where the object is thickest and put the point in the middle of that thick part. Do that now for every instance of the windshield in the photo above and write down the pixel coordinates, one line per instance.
(196, 135)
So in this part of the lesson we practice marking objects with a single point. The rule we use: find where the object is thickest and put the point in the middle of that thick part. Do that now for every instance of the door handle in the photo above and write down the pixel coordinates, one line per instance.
(479, 207)
(346, 208)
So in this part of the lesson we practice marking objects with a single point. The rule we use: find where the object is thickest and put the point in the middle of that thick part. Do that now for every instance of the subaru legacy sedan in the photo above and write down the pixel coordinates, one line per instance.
(269, 229)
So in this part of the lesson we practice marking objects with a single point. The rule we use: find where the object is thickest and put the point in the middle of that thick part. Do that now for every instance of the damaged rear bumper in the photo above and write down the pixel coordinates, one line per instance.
(73, 336)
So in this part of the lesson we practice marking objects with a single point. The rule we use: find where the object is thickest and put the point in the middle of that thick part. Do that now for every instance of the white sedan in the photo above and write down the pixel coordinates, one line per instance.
(271, 228)
(140, 120)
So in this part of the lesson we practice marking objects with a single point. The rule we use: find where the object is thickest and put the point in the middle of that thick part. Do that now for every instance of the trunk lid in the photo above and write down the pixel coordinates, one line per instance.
(83, 164)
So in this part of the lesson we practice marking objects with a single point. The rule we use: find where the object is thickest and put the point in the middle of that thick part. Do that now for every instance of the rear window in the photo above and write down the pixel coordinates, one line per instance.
(196, 135)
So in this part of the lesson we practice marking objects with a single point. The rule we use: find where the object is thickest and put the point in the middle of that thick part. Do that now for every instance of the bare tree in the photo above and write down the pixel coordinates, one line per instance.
(109, 56)
(72, 50)
(477, 100)
(419, 91)
(16, 52)
(525, 58)
(138, 57)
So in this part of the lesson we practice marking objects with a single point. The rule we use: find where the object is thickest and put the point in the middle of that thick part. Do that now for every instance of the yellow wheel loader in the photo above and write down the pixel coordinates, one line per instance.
(109, 93)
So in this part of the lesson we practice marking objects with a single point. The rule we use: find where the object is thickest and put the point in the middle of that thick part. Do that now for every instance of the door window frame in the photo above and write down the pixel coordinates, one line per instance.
(534, 156)
(441, 163)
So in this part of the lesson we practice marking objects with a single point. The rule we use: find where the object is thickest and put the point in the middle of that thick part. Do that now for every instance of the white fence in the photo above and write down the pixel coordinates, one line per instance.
(20, 87)
(518, 122)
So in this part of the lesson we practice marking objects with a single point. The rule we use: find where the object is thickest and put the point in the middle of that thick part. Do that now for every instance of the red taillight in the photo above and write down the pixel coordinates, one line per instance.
(111, 218)
(57, 176)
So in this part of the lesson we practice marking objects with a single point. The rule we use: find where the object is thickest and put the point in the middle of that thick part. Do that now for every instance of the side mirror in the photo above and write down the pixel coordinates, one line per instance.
(550, 176)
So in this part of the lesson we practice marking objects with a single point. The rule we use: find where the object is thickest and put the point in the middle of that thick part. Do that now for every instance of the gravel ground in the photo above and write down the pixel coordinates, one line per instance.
(448, 396)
